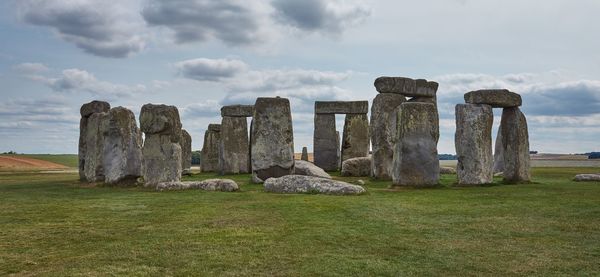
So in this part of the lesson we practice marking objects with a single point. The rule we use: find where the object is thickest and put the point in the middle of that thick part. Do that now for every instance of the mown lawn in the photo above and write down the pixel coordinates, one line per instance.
(50, 224)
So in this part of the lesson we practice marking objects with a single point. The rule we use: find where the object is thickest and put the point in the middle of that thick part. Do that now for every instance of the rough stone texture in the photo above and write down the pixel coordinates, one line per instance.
(86, 111)
(210, 149)
(447, 170)
(587, 178)
(473, 142)
(515, 141)
(237, 111)
(355, 141)
(383, 133)
(186, 153)
(272, 139)
(95, 136)
(225, 185)
(325, 142)
(357, 167)
(162, 150)
(341, 107)
(122, 158)
(415, 152)
(497, 98)
(233, 150)
(498, 153)
(309, 169)
(338, 150)
(406, 86)
(304, 155)
(309, 184)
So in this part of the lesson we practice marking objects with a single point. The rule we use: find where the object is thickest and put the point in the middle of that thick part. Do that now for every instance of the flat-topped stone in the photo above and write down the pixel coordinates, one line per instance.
(406, 86)
(497, 98)
(225, 185)
(214, 127)
(587, 178)
(341, 107)
(309, 184)
(237, 110)
(95, 106)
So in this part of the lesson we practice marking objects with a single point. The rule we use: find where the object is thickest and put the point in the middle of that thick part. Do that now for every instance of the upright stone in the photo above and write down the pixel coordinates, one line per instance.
(233, 150)
(237, 110)
(161, 152)
(325, 142)
(122, 158)
(473, 141)
(415, 152)
(96, 132)
(210, 149)
(86, 111)
(304, 156)
(355, 141)
(186, 153)
(383, 133)
(498, 153)
(515, 141)
(272, 139)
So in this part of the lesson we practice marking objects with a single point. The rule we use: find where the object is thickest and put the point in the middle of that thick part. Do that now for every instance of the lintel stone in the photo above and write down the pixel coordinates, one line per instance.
(497, 98)
(237, 110)
(341, 107)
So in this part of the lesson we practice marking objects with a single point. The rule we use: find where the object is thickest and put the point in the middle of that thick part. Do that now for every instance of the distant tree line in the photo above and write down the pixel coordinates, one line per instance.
(196, 157)
(10, 153)
(447, 157)
(593, 155)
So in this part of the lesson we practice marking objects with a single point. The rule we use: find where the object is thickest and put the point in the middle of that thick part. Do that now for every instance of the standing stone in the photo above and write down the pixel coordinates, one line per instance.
(498, 153)
(304, 156)
(355, 141)
(161, 152)
(338, 150)
(473, 141)
(515, 141)
(325, 142)
(86, 111)
(272, 139)
(233, 150)
(210, 149)
(96, 132)
(415, 152)
(122, 158)
(383, 133)
(186, 153)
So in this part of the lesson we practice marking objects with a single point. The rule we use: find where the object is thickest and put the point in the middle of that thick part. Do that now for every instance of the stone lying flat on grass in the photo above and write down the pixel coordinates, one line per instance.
(357, 167)
(406, 86)
(309, 169)
(226, 185)
(447, 170)
(497, 98)
(309, 184)
(587, 178)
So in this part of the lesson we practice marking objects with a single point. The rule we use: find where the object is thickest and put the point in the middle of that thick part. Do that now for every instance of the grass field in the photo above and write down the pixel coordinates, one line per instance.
(50, 224)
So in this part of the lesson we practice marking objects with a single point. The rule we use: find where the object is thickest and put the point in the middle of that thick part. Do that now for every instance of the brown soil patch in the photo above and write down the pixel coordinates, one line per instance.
(297, 156)
(23, 163)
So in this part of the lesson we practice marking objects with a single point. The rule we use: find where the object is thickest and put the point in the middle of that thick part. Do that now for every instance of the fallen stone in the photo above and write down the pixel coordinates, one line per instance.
(225, 185)
(306, 168)
(356, 140)
(406, 86)
(341, 107)
(304, 155)
(447, 170)
(311, 185)
(234, 148)
(360, 182)
(357, 167)
(237, 111)
(497, 98)
(122, 157)
(210, 149)
(383, 133)
(86, 111)
(515, 142)
(473, 142)
(587, 178)
(186, 153)
(325, 142)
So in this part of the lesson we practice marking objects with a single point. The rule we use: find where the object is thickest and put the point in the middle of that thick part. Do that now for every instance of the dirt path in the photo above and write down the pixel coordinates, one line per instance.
(22, 163)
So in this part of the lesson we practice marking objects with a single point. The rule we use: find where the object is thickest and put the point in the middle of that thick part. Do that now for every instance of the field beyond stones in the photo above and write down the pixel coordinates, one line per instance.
(50, 224)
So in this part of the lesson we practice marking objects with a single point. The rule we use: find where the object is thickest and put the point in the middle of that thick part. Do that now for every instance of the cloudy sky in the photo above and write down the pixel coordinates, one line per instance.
(201, 54)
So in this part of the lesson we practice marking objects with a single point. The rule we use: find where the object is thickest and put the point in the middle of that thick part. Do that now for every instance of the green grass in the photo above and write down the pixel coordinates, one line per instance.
(69, 160)
(50, 224)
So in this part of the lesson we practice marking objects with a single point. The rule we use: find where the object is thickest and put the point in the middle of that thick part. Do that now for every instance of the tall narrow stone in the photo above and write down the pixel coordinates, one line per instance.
(355, 141)
(415, 152)
(515, 141)
(498, 153)
(186, 153)
(210, 149)
(304, 156)
(383, 133)
(272, 139)
(122, 158)
(233, 150)
(325, 142)
(473, 141)
(86, 111)
(97, 130)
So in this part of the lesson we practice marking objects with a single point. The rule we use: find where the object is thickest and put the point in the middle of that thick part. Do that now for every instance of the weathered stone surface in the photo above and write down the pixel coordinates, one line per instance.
(272, 138)
(304, 155)
(498, 153)
(309, 184)
(225, 185)
(447, 170)
(415, 152)
(383, 133)
(325, 142)
(122, 158)
(357, 167)
(406, 86)
(587, 178)
(233, 150)
(341, 107)
(96, 132)
(497, 98)
(186, 153)
(210, 149)
(237, 111)
(306, 168)
(161, 119)
(86, 111)
(515, 141)
(355, 141)
(473, 142)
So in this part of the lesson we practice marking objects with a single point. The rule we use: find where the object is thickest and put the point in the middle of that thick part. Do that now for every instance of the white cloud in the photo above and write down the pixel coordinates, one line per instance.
(210, 69)
(31, 68)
